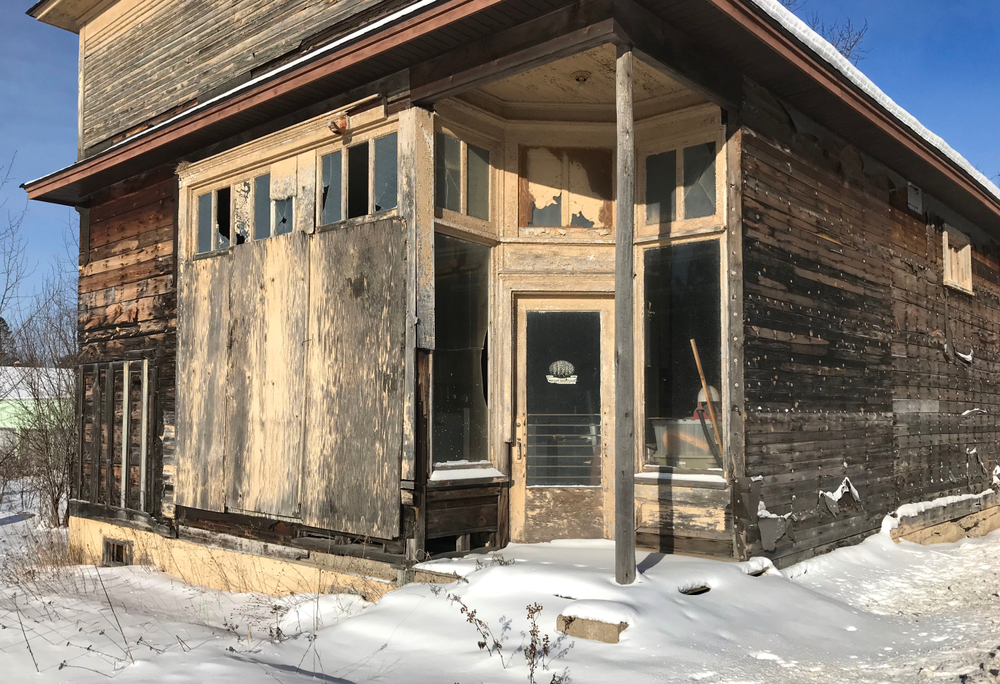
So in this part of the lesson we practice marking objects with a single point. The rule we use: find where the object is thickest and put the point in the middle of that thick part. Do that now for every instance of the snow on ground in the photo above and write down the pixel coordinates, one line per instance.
(877, 612)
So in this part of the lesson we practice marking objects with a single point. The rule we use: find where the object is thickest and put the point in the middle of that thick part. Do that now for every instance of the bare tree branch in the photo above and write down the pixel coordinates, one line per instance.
(846, 37)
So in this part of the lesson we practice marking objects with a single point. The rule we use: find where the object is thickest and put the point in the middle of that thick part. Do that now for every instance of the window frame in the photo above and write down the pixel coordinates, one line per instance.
(950, 239)
(718, 235)
(466, 137)
(367, 136)
(678, 143)
(213, 188)
(441, 228)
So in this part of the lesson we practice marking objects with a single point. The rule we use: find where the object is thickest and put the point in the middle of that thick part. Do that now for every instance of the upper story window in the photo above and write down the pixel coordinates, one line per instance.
(461, 177)
(681, 185)
(566, 187)
(957, 253)
(241, 212)
(359, 179)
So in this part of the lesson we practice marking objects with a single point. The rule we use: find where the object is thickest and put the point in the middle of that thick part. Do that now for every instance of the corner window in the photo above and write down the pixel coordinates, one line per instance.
(461, 281)
(683, 327)
(566, 187)
(461, 177)
(359, 180)
(957, 253)
(681, 185)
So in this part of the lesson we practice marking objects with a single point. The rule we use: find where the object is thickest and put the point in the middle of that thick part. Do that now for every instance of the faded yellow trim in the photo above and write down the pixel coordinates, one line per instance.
(228, 570)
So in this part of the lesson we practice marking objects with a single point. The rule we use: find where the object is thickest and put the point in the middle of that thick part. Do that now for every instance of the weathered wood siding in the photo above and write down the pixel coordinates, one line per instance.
(202, 366)
(355, 391)
(145, 60)
(844, 316)
(127, 302)
(268, 299)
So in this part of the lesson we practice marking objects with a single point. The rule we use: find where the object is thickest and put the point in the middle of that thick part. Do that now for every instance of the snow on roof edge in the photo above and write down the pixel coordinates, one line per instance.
(825, 51)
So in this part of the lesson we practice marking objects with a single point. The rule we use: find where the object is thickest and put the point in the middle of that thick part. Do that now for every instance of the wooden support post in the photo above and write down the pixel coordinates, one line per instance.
(143, 435)
(81, 419)
(109, 422)
(126, 429)
(624, 358)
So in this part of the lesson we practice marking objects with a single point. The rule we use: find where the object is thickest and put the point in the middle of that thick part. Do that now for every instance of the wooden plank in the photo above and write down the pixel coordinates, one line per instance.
(268, 308)
(202, 377)
(733, 306)
(357, 330)
(624, 304)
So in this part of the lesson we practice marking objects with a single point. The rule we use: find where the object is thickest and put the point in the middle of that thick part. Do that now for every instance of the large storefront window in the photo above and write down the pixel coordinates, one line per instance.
(461, 280)
(682, 318)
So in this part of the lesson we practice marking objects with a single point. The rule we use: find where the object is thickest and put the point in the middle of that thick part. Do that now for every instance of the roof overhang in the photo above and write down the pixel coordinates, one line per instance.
(68, 14)
(720, 41)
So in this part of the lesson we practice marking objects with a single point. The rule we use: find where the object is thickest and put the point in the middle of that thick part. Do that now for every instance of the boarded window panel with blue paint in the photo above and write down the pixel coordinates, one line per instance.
(262, 207)
(205, 223)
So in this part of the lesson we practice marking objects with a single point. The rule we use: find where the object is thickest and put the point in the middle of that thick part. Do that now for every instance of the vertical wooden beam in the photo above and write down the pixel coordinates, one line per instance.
(416, 206)
(81, 419)
(109, 421)
(126, 429)
(735, 463)
(144, 435)
(97, 413)
(624, 307)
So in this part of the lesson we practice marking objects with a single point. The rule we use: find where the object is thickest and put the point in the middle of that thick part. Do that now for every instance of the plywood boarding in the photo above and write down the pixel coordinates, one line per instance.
(202, 367)
(268, 294)
(144, 60)
(355, 378)
(846, 319)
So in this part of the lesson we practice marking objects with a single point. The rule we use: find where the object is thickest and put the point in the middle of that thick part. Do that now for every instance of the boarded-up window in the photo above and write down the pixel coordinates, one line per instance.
(682, 303)
(565, 187)
(461, 281)
(957, 251)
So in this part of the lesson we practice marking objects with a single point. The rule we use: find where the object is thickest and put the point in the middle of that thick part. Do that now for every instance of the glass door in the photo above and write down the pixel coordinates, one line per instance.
(562, 474)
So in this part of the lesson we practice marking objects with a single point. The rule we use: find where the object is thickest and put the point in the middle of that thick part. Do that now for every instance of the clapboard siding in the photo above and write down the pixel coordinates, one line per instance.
(147, 59)
(127, 305)
(844, 316)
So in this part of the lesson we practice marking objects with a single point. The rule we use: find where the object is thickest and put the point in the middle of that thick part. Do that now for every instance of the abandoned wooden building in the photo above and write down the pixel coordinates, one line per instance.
(347, 283)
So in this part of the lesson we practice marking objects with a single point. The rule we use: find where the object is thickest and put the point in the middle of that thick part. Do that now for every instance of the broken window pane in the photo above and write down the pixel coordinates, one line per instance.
(262, 207)
(448, 172)
(241, 206)
(357, 180)
(563, 393)
(222, 216)
(661, 188)
(699, 181)
(386, 173)
(683, 300)
(477, 182)
(542, 168)
(205, 223)
(589, 188)
(330, 203)
(284, 217)
(461, 281)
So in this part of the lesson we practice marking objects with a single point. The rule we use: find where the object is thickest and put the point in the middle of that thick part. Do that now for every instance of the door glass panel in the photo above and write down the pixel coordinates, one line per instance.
(563, 388)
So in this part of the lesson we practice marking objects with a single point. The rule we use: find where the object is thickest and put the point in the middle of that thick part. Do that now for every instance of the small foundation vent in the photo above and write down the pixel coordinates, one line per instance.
(116, 552)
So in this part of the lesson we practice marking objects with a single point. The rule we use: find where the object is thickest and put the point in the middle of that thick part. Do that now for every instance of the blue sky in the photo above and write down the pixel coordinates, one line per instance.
(937, 59)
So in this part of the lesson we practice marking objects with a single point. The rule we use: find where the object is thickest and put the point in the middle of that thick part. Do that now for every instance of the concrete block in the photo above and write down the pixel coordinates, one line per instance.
(938, 534)
(595, 630)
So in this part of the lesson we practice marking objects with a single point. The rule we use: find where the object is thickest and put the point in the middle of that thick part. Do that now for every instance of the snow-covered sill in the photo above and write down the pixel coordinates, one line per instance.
(467, 475)
(702, 480)
(915, 509)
